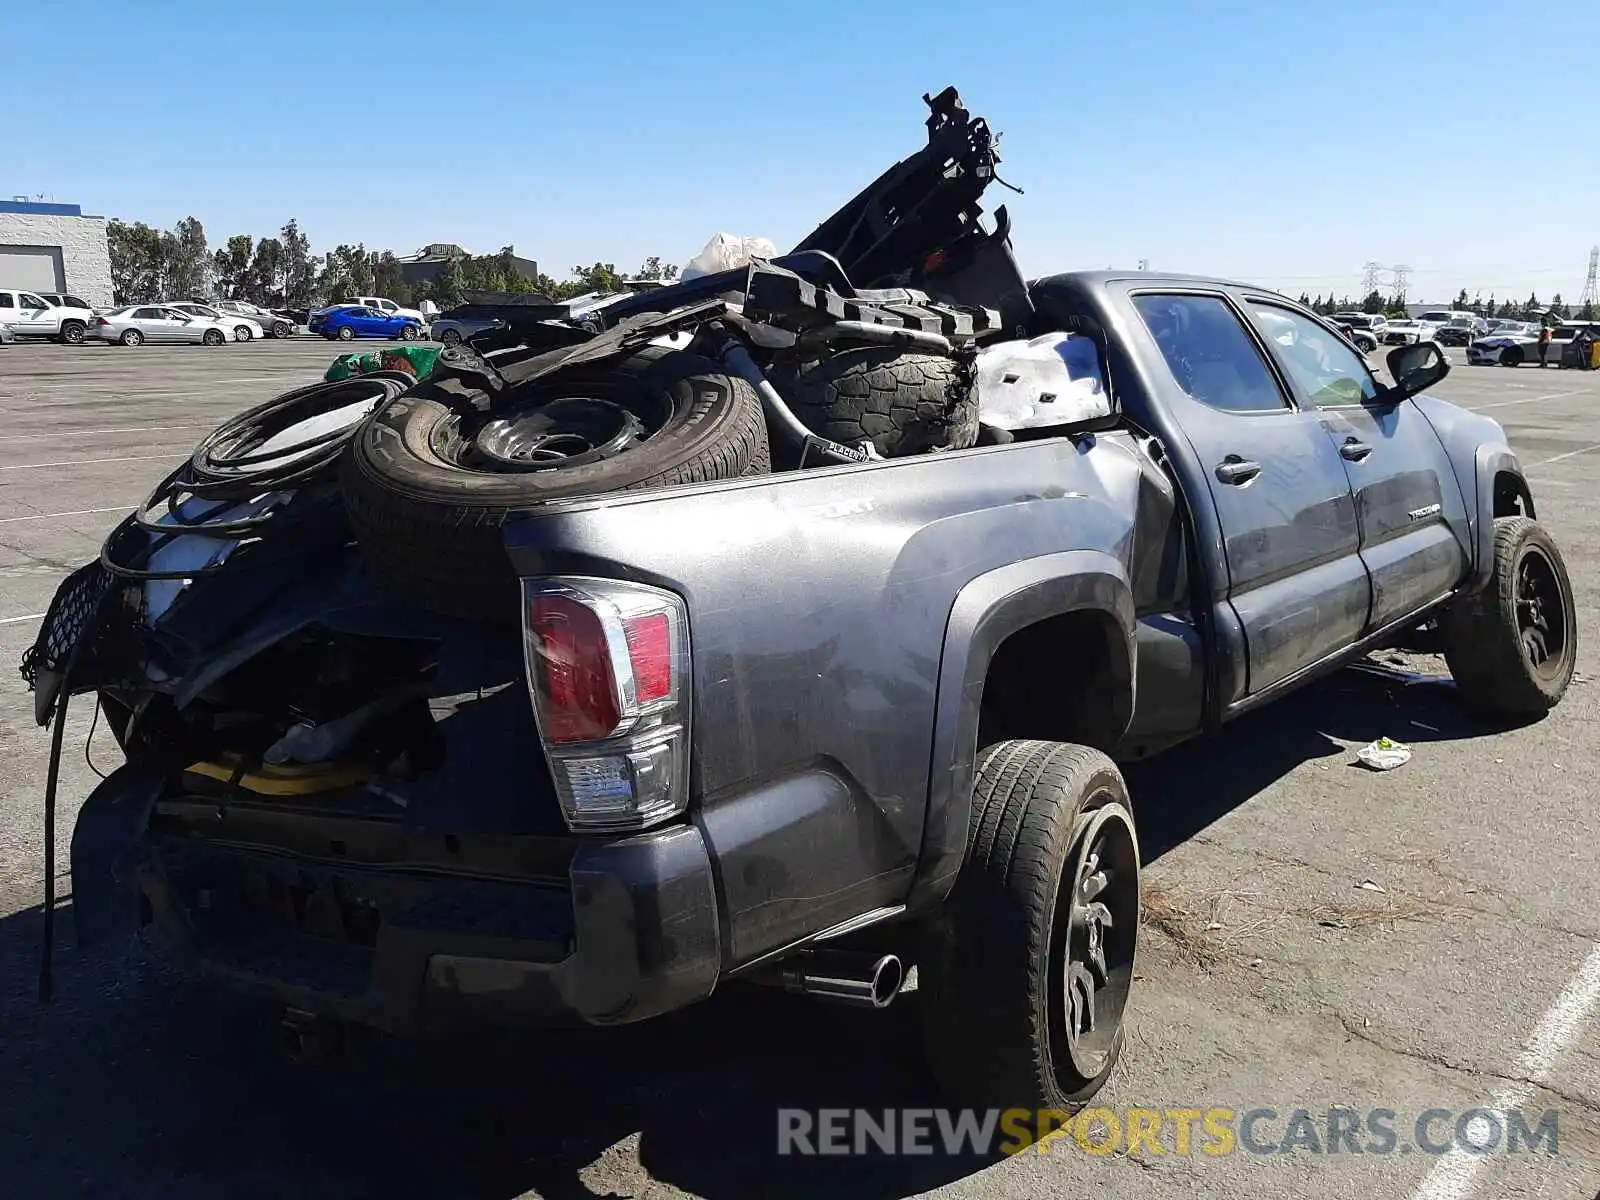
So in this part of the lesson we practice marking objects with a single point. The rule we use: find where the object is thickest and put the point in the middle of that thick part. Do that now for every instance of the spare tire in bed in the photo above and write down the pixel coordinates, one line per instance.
(430, 478)
(902, 403)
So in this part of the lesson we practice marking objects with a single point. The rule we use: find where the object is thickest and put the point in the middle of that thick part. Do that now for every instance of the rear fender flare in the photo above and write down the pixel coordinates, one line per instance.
(989, 609)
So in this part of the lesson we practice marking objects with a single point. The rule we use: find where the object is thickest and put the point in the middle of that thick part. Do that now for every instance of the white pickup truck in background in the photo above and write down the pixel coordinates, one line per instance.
(29, 315)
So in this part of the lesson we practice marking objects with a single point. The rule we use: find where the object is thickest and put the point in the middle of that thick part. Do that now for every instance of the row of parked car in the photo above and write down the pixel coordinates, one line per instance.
(1497, 342)
(63, 317)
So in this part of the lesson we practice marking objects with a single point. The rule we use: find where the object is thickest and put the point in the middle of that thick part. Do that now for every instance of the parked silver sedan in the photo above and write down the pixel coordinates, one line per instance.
(135, 324)
(461, 322)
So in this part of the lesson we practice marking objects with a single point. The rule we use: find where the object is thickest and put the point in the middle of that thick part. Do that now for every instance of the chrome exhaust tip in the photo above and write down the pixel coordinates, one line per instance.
(843, 977)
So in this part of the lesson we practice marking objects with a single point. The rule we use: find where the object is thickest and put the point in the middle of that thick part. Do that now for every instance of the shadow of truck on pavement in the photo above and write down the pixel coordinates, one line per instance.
(138, 1083)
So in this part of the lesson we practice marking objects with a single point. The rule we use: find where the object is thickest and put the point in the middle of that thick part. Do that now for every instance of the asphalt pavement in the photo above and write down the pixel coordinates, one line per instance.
(1317, 936)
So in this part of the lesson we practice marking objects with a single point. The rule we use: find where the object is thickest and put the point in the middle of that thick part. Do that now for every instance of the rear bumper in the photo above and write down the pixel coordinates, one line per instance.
(628, 930)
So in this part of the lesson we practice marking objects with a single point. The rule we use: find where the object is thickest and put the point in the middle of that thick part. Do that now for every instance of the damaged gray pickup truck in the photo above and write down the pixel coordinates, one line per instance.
(815, 725)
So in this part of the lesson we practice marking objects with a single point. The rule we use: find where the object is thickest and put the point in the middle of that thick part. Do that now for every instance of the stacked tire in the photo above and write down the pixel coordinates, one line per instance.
(427, 503)
(432, 478)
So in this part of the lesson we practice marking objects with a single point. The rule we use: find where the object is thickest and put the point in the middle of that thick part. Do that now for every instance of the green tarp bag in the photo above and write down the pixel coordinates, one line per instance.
(414, 360)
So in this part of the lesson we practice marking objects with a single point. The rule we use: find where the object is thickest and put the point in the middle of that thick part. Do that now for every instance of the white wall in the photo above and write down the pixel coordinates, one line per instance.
(85, 255)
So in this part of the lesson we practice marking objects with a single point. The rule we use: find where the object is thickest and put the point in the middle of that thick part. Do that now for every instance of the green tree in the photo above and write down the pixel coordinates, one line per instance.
(1462, 303)
(1531, 308)
(1305, 299)
(232, 265)
(299, 266)
(389, 280)
(601, 277)
(447, 284)
(1559, 310)
(138, 261)
(1586, 313)
(189, 272)
(654, 268)
(1373, 302)
(264, 281)
(1397, 306)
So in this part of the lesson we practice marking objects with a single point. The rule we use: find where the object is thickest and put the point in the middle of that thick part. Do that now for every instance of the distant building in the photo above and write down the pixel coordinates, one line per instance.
(424, 266)
(54, 248)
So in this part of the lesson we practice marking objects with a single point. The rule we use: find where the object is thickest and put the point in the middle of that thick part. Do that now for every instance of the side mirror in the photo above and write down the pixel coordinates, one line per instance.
(1415, 368)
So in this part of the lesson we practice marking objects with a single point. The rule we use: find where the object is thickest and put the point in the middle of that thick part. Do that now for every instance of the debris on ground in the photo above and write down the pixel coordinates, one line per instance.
(1372, 885)
(1385, 754)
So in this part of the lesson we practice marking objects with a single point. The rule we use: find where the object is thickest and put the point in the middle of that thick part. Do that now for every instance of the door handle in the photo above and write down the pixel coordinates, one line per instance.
(1236, 470)
(1353, 450)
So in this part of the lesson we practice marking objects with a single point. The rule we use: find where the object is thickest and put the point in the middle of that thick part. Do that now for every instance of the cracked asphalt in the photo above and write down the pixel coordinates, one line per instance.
(1317, 935)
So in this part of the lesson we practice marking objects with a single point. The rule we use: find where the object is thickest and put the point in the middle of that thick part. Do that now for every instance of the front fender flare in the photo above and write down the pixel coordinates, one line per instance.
(989, 609)
(1489, 462)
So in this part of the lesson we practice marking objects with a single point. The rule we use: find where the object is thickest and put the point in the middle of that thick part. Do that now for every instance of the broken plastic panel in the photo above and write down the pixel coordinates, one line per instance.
(1053, 379)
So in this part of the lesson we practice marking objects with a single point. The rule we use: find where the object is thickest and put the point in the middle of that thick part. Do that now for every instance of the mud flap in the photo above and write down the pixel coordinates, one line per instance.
(105, 847)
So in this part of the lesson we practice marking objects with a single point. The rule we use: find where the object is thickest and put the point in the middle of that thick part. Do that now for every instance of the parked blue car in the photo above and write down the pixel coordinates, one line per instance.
(347, 321)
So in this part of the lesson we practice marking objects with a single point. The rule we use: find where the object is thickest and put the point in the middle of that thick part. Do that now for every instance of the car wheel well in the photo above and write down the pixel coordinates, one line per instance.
(1511, 496)
(1063, 679)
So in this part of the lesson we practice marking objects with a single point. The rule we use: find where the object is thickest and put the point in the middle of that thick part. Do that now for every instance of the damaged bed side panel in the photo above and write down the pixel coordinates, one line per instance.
(818, 611)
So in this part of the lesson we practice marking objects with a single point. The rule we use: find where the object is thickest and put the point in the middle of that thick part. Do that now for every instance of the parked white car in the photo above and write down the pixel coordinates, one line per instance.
(275, 324)
(1403, 332)
(244, 328)
(135, 324)
(1511, 347)
(30, 315)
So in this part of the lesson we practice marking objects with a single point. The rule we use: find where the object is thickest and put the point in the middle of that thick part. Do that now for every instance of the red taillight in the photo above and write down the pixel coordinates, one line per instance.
(608, 673)
(101, 321)
(649, 641)
(573, 670)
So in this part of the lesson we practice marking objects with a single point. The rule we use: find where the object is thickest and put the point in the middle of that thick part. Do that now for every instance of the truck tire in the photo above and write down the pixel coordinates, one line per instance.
(1051, 875)
(903, 403)
(427, 500)
(72, 333)
(1513, 647)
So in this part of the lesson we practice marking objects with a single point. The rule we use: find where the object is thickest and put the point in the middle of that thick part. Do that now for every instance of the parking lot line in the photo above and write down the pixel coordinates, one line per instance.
(50, 437)
(1452, 1176)
(19, 620)
(83, 462)
(1544, 462)
(1534, 399)
(71, 512)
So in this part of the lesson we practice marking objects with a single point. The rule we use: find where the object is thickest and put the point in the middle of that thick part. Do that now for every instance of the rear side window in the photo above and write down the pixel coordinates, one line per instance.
(6, 301)
(147, 314)
(1210, 354)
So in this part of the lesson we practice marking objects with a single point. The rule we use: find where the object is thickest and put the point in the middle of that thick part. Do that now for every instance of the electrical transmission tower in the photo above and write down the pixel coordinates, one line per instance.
(1591, 292)
(1372, 277)
(1401, 274)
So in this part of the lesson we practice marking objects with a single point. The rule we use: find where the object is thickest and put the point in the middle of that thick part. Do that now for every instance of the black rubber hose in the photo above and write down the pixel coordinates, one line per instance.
(230, 464)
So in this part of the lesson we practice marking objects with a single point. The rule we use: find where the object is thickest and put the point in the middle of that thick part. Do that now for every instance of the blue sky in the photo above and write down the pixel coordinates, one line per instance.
(1243, 139)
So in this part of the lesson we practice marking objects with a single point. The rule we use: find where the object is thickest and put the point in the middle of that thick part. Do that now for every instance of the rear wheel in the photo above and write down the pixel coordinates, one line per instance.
(281, 329)
(1026, 973)
(451, 337)
(345, 333)
(72, 332)
(131, 337)
(241, 333)
(213, 337)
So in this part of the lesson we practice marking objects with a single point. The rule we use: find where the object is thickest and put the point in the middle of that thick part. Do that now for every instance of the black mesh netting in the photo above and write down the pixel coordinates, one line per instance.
(94, 608)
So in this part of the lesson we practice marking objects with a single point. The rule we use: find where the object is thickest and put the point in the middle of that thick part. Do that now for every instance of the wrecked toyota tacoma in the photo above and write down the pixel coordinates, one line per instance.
(474, 711)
